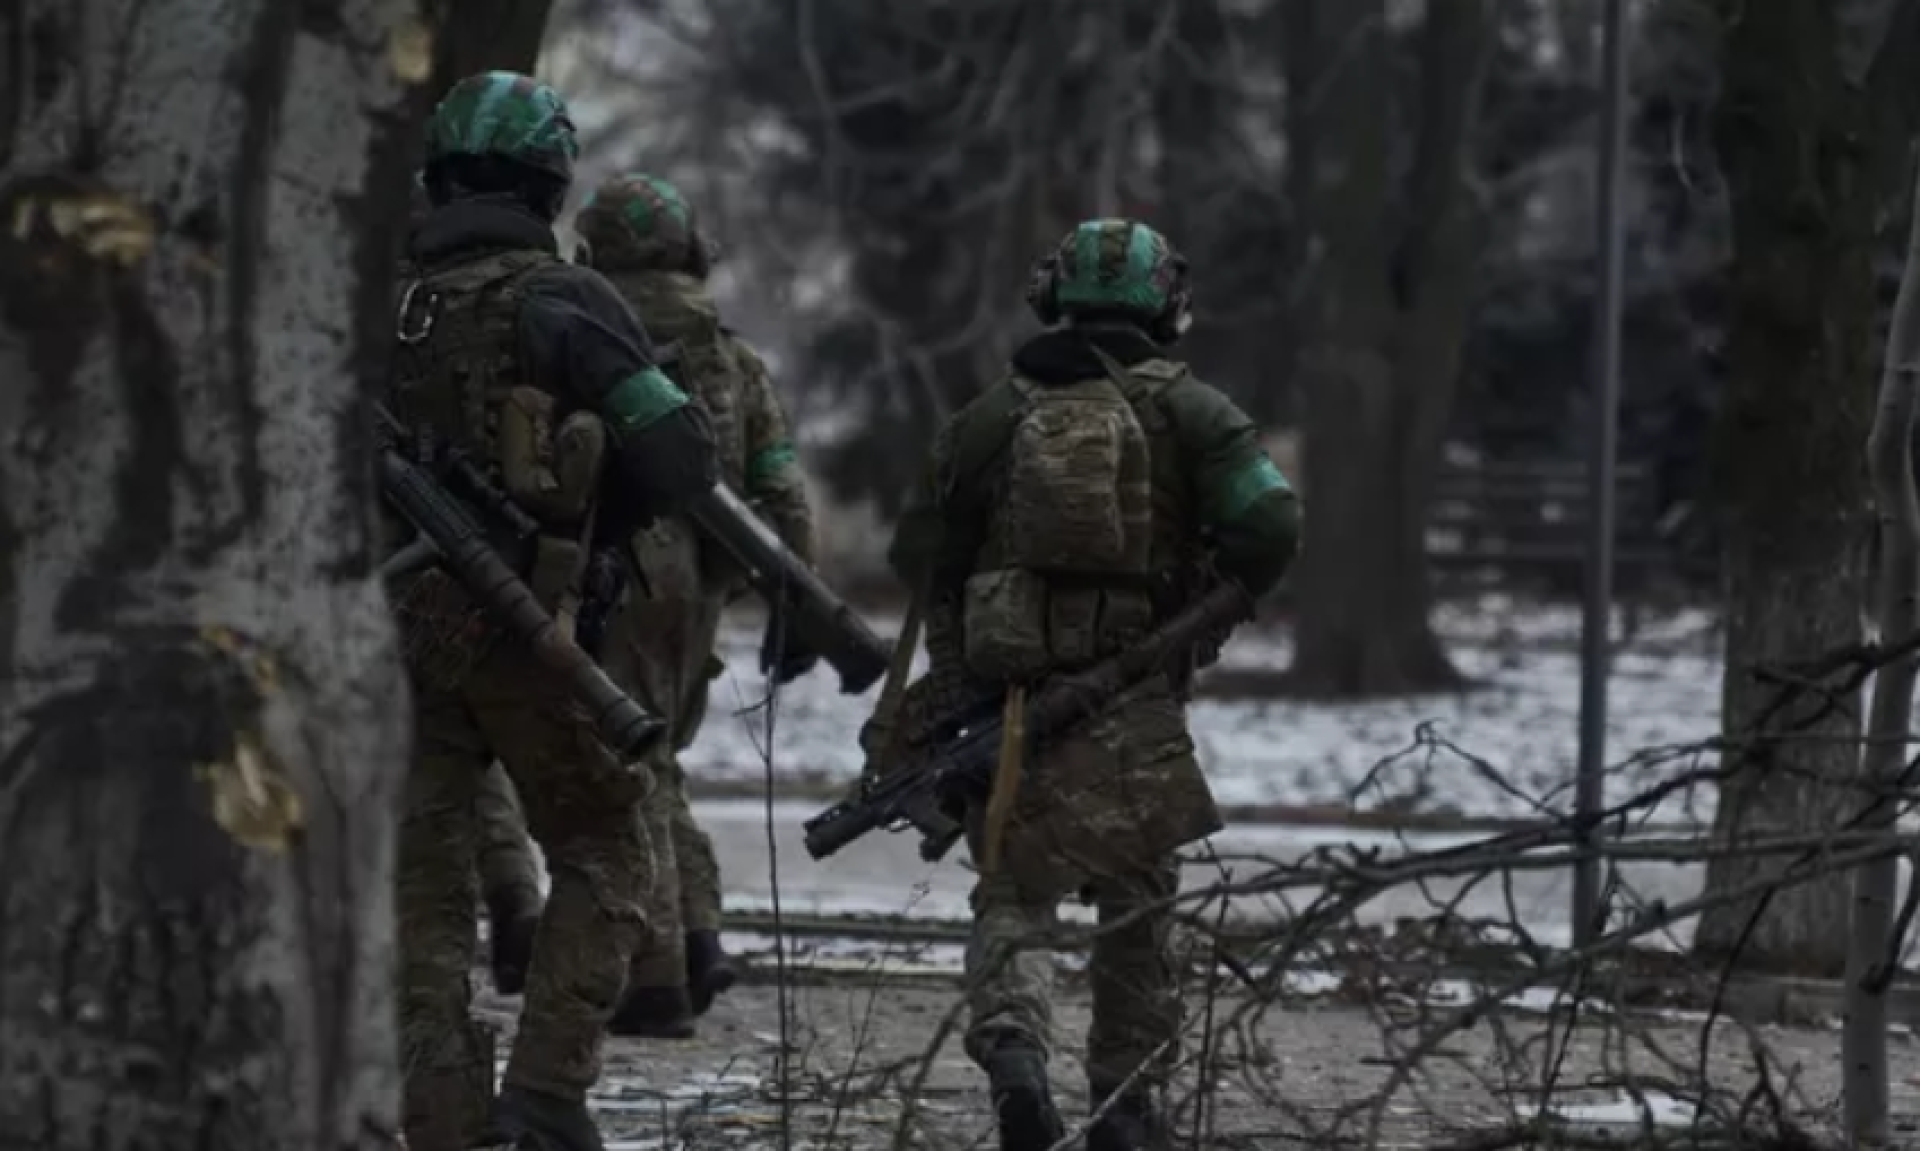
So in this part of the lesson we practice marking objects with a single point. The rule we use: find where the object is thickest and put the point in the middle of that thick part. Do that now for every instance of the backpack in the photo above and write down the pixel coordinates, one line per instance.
(1070, 537)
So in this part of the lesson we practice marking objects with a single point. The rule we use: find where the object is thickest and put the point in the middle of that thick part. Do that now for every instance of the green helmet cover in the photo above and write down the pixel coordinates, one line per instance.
(639, 221)
(1115, 265)
(508, 115)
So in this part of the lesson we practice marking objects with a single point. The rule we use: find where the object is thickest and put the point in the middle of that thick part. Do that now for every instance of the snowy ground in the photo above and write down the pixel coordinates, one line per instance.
(854, 1055)
(1505, 749)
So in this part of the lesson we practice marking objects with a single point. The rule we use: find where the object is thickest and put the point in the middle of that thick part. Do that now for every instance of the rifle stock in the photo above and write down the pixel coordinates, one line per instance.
(820, 618)
(443, 522)
(923, 792)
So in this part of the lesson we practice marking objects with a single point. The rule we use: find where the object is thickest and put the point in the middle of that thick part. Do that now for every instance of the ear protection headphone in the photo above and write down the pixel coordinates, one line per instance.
(1042, 285)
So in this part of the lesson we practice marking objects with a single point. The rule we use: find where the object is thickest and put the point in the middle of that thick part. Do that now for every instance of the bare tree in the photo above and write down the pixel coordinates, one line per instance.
(1387, 295)
(1873, 953)
(1813, 151)
(201, 729)
(481, 35)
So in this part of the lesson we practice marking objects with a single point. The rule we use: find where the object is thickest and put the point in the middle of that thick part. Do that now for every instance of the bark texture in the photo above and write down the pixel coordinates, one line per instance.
(1813, 154)
(1389, 285)
(483, 35)
(201, 728)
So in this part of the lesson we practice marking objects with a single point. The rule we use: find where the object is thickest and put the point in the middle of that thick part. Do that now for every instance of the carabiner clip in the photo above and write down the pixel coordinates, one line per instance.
(417, 334)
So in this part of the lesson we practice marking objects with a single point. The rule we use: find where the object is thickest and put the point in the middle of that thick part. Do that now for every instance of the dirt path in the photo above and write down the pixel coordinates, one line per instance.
(857, 1052)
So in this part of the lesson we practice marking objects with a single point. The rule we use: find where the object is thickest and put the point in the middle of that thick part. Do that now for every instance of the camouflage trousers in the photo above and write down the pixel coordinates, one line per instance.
(663, 656)
(1100, 815)
(666, 660)
(581, 804)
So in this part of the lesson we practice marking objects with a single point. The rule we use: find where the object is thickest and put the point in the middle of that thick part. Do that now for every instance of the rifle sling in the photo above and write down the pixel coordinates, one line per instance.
(887, 707)
(1006, 778)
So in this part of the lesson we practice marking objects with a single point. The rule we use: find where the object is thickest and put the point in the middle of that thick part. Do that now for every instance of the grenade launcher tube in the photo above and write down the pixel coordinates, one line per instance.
(470, 559)
(820, 618)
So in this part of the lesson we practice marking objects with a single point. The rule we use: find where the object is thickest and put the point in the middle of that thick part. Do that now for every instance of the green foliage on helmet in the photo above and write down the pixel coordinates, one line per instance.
(1114, 265)
(642, 222)
(508, 115)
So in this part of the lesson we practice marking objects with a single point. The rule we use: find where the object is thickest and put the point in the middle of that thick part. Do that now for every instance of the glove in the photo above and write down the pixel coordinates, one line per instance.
(782, 655)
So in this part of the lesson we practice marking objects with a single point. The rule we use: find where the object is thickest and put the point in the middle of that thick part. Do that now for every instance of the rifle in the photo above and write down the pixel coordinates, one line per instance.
(450, 535)
(820, 619)
(926, 792)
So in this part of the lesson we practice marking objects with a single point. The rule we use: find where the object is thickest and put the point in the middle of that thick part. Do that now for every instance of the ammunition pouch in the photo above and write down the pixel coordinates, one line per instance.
(1004, 625)
(558, 567)
(552, 471)
(1018, 625)
(667, 554)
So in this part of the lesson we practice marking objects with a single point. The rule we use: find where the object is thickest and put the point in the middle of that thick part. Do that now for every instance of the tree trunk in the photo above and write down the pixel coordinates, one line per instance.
(1873, 951)
(1807, 161)
(1387, 313)
(474, 36)
(202, 727)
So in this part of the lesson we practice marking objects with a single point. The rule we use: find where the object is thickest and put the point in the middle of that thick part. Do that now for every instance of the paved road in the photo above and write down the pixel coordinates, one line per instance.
(883, 873)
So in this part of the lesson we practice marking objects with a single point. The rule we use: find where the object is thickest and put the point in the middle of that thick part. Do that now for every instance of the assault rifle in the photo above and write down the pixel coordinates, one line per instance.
(450, 535)
(927, 790)
(820, 619)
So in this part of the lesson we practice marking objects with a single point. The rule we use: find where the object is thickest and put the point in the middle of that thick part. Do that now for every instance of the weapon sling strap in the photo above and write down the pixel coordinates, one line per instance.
(887, 708)
(1006, 777)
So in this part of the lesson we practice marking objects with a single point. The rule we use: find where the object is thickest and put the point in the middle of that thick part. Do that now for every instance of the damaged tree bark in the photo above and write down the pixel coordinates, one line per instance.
(202, 731)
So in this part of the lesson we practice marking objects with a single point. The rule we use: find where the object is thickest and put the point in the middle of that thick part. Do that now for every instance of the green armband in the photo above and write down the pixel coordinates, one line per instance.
(642, 399)
(768, 463)
(1254, 479)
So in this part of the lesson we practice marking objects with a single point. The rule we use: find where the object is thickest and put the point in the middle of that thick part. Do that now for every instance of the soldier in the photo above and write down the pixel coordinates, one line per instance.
(644, 237)
(509, 878)
(540, 373)
(1066, 510)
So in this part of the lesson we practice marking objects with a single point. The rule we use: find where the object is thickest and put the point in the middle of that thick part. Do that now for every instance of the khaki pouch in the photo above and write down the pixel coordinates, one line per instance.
(1004, 625)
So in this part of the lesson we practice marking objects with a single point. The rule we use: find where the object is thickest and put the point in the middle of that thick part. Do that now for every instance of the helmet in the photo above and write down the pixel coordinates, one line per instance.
(1117, 268)
(642, 221)
(507, 115)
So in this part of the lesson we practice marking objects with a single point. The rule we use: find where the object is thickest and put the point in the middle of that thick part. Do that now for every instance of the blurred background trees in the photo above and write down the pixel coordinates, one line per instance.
(1386, 204)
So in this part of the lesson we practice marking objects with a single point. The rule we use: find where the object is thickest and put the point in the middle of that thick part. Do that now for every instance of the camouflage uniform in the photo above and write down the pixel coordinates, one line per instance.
(1101, 811)
(644, 238)
(538, 371)
(508, 872)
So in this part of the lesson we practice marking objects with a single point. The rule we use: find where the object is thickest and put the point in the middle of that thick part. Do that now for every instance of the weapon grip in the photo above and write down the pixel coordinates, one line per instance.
(934, 848)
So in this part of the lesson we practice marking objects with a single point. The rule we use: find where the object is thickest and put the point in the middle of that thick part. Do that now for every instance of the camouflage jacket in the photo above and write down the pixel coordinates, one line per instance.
(1214, 488)
(574, 337)
(731, 382)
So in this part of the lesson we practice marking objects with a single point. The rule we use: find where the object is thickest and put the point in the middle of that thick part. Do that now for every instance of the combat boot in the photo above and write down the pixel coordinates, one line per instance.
(1022, 1100)
(1133, 1123)
(527, 1120)
(653, 1013)
(710, 971)
(510, 931)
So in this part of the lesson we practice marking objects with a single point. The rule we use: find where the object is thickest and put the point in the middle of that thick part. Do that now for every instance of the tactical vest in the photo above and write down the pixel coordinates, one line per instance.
(460, 385)
(1041, 600)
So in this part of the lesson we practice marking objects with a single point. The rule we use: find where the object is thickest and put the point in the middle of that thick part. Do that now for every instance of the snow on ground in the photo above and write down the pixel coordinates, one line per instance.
(1504, 749)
